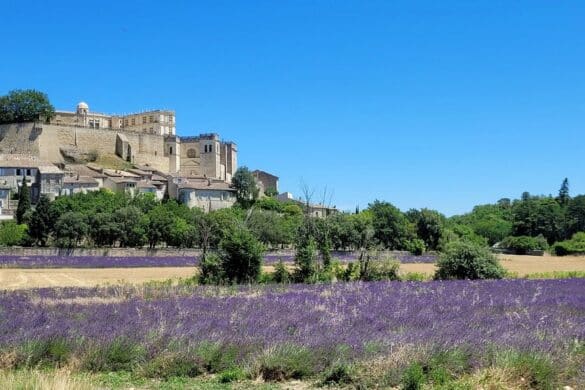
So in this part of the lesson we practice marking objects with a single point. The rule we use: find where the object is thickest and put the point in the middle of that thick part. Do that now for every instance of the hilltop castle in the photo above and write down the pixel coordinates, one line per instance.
(146, 138)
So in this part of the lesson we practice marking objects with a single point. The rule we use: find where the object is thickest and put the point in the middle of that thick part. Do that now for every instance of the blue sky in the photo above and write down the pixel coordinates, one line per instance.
(421, 103)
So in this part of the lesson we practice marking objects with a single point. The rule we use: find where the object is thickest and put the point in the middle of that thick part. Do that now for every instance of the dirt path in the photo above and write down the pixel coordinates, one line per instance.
(11, 278)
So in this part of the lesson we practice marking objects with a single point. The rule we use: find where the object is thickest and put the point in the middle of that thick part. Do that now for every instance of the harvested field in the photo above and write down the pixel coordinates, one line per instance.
(14, 278)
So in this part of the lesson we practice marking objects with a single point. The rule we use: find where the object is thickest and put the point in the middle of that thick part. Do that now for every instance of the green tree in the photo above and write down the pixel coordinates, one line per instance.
(564, 196)
(429, 227)
(575, 216)
(103, 229)
(70, 229)
(245, 185)
(42, 221)
(132, 232)
(25, 106)
(466, 260)
(23, 209)
(241, 256)
(391, 227)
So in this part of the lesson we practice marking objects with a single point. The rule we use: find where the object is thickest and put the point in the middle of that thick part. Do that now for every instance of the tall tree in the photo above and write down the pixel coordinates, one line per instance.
(23, 203)
(25, 106)
(564, 193)
(42, 221)
(246, 189)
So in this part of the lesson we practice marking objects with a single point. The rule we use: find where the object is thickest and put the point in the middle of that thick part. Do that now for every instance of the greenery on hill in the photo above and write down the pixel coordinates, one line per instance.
(25, 106)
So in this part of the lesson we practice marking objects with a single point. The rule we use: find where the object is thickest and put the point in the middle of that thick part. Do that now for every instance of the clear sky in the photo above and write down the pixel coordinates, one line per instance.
(439, 104)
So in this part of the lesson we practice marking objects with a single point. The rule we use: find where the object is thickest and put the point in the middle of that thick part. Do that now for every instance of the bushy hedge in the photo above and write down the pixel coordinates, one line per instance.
(576, 245)
(466, 260)
(524, 244)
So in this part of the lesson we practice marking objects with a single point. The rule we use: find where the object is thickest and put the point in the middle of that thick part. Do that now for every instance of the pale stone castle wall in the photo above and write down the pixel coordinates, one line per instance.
(204, 155)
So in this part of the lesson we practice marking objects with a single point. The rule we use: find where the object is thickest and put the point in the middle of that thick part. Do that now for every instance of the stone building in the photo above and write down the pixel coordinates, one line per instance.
(148, 139)
(159, 122)
(204, 193)
(42, 177)
(265, 181)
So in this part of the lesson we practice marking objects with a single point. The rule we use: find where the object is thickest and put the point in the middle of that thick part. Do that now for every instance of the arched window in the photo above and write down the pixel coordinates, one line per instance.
(171, 150)
(191, 153)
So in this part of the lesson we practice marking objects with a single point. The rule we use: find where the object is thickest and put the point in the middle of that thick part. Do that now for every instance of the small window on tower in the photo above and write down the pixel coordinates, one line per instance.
(171, 150)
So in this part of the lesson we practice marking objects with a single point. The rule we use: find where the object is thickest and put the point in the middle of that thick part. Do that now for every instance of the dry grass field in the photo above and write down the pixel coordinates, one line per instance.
(11, 278)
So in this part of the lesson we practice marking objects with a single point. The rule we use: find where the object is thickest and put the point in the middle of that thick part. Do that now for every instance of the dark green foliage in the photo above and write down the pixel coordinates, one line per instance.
(575, 216)
(232, 375)
(564, 196)
(241, 256)
(539, 215)
(245, 185)
(211, 269)
(493, 222)
(391, 227)
(42, 221)
(465, 260)
(306, 261)
(413, 378)
(524, 244)
(23, 209)
(576, 245)
(25, 106)
(130, 222)
(429, 227)
(70, 229)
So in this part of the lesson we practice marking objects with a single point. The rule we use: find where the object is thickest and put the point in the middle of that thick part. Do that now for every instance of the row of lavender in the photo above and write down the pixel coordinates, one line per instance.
(543, 316)
(178, 261)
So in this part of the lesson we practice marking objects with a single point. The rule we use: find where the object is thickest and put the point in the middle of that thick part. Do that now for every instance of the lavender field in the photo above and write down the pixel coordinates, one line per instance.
(172, 261)
(362, 319)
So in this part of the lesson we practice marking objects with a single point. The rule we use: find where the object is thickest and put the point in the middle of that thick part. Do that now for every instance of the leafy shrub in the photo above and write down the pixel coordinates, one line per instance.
(537, 371)
(241, 256)
(413, 378)
(416, 246)
(338, 374)
(11, 233)
(281, 274)
(211, 270)
(414, 277)
(382, 269)
(523, 244)
(465, 260)
(576, 245)
(217, 357)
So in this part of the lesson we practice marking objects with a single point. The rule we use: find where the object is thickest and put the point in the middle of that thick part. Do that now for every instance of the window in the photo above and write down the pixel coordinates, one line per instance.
(143, 119)
(133, 121)
(125, 122)
(191, 153)
(171, 150)
(210, 148)
(28, 172)
(151, 119)
(18, 172)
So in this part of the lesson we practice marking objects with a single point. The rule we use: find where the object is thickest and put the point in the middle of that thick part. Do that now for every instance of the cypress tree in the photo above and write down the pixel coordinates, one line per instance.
(23, 202)
(564, 193)
(41, 223)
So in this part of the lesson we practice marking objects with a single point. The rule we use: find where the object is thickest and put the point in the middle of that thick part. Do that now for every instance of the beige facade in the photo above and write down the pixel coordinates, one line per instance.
(42, 177)
(159, 122)
(265, 181)
(206, 194)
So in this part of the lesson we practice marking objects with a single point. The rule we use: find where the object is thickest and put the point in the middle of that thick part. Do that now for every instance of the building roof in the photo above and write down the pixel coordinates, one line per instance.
(81, 180)
(120, 179)
(83, 170)
(26, 161)
(205, 184)
(145, 184)
(258, 172)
